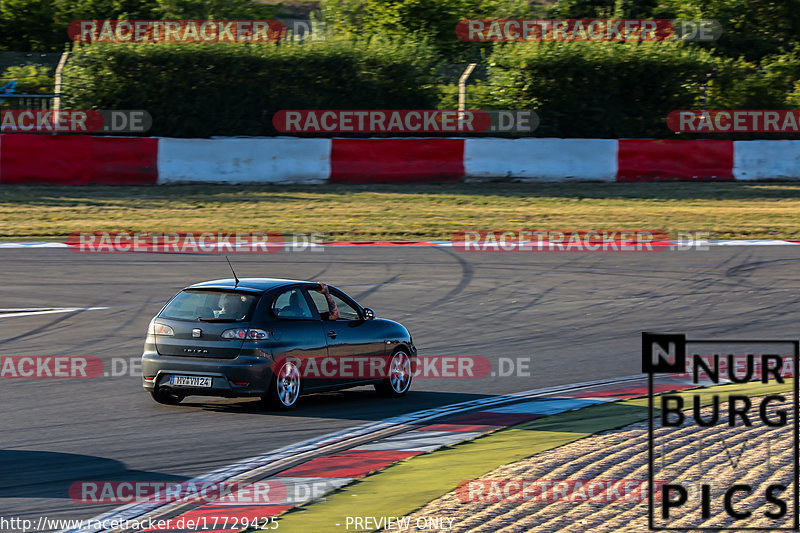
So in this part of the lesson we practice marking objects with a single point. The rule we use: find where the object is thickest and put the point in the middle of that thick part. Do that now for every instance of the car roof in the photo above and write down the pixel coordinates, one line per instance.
(252, 284)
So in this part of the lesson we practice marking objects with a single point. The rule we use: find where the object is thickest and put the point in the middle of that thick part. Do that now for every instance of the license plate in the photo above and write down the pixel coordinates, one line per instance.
(190, 381)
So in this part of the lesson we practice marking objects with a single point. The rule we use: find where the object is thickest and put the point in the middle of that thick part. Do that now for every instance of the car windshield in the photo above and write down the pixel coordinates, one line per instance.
(210, 306)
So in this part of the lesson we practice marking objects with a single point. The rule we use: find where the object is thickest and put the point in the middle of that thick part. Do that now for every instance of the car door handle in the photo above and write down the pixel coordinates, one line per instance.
(332, 334)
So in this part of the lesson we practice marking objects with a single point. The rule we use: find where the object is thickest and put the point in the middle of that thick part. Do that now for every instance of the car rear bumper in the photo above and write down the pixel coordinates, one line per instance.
(228, 376)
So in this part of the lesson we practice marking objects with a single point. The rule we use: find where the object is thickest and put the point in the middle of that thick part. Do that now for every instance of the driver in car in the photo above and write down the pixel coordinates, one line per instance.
(231, 307)
(294, 309)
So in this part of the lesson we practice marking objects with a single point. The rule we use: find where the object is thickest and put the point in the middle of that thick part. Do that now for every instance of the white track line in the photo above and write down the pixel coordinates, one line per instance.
(32, 245)
(427, 244)
(139, 510)
(8, 313)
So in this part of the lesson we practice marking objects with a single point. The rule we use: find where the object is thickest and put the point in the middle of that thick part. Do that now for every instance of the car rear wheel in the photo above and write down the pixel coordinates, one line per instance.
(399, 380)
(166, 397)
(285, 387)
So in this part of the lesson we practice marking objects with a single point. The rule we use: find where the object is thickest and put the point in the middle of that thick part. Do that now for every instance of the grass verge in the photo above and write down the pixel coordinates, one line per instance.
(404, 212)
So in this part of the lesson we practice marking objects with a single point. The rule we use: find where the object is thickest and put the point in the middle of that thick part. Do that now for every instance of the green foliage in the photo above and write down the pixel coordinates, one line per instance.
(603, 9)
(751, 28)
(233, 89)
(601, 89)
(764, 86)
(793, 98)
(31, 79)
(28, 25)
(433, 20)
(65, 11)
(41, 25)
(479, 96)
(381, 53)
(215, 9)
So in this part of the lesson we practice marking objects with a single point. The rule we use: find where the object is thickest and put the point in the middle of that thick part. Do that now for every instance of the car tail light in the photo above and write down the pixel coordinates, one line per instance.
(245, 334)
(149, 378)
(241, 383)
(160, 329)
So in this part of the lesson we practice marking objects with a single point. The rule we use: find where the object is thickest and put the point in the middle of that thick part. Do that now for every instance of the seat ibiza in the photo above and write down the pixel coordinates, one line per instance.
(272, 339)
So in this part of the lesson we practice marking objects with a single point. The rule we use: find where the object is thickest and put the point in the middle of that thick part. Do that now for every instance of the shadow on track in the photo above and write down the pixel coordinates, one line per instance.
(40, 474)
(355, 404)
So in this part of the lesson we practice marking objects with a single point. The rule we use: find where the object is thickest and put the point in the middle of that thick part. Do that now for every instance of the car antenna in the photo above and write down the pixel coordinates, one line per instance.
(232, 270)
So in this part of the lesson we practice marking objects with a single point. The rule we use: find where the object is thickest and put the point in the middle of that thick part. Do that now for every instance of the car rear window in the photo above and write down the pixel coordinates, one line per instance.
(211, 306)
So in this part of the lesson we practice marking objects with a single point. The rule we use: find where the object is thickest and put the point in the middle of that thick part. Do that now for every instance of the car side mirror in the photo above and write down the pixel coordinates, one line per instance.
(369, 314)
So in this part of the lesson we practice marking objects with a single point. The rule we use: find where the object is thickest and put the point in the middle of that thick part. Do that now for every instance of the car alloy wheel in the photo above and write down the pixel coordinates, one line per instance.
(400, 372)
(288, 384)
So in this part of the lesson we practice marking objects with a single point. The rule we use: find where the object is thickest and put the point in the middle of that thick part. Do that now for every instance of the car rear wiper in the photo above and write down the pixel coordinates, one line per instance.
(212, 319)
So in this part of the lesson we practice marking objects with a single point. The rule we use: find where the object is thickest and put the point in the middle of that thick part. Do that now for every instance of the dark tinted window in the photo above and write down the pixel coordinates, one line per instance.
(291, 304)
(211, 305)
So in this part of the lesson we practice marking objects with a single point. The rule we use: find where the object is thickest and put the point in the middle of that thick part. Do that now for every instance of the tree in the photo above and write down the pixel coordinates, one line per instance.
(27, 25)
(752, 29)
(41, 25)
(431, 20)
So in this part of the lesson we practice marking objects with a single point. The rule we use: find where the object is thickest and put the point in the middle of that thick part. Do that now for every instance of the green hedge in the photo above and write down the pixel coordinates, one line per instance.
(233, 89)
(606, 90)
(600, 89)
(618, 90)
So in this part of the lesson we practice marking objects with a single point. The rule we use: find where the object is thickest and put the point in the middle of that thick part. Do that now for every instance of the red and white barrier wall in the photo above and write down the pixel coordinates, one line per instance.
(77, 160)
(82, 160)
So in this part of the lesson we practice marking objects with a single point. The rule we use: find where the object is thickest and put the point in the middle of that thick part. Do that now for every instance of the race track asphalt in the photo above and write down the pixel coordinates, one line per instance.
(577, 316)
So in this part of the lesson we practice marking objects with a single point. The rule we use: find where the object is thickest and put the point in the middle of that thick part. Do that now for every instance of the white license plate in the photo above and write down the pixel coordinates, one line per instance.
(190, 381)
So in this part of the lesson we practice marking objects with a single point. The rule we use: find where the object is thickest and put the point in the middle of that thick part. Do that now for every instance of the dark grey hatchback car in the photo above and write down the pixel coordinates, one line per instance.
(271, 338)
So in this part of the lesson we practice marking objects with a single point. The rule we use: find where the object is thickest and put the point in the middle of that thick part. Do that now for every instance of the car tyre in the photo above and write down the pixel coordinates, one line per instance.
(399, 380)
(284, 389)
(166, 397)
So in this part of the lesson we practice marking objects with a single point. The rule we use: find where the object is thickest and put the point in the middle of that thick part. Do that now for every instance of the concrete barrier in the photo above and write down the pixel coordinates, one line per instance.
(396, 160)
(541, 159)
(77, 160)
(84, 160)
(672, 160)
(244, 160)
(759, 160)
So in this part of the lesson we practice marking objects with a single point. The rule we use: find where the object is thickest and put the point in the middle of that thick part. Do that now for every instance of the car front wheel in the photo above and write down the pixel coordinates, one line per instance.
(399, 380)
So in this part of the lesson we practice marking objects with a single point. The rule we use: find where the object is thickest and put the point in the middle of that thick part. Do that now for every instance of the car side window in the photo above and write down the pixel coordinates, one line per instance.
(320, 303)
(291, 304)
(346, 311)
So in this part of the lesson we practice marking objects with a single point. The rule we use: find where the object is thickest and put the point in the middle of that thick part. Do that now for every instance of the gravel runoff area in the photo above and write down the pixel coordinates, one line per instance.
(617, 460)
